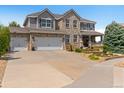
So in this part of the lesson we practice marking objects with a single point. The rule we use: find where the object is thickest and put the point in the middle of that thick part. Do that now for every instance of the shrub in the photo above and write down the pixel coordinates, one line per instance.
(4, 40)
(94, 57)
(78, 50)
(105, 49)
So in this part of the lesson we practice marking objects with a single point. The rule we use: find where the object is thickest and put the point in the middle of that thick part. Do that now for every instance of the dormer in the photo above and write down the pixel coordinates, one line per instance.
(41, 20)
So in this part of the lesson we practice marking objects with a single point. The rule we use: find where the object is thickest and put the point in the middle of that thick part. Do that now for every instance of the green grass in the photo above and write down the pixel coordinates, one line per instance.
(94, 57)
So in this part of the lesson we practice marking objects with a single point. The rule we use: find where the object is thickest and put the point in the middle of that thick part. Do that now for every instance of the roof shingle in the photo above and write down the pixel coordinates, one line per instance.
(57, 16)
(91, 33)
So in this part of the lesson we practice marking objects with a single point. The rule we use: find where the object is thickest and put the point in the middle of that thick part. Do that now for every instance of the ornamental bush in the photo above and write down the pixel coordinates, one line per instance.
(4, 39)
(94, 57)
(114, 38)
(78, 50)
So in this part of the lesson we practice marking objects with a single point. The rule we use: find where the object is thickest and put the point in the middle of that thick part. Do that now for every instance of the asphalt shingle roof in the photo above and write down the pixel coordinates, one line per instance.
(91, 33)
(18, 30)
(34, 14)
(57, 16)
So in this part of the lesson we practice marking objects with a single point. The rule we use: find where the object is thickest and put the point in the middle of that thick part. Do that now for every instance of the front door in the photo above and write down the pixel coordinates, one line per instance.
(85, 41)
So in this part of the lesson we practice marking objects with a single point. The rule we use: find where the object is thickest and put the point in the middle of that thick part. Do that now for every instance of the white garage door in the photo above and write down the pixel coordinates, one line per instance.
(48, 43)
(18, 43)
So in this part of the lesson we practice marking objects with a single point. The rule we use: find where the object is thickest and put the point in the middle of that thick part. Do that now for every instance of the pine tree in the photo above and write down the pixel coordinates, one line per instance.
(114, 38)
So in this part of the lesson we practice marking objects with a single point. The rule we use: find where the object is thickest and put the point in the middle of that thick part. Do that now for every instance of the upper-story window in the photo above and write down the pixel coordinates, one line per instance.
(83, 26)
(92, 27)
(67, 23)
(33, 20)
(75, 23)
(46, 23)
(87, 26)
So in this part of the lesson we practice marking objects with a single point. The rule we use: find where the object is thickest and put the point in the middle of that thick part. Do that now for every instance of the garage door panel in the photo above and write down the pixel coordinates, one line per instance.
(18, 43)
(49, 43)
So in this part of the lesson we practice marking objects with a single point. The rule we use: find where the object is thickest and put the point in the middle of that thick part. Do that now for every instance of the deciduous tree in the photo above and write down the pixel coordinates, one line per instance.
(14, 24)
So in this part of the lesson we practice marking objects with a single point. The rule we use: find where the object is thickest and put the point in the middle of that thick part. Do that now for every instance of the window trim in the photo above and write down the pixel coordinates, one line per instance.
(67, 23)
(47, 19)
(75, 24)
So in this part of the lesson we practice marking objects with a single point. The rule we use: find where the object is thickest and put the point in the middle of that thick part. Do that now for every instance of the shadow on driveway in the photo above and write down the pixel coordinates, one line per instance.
(9, 58)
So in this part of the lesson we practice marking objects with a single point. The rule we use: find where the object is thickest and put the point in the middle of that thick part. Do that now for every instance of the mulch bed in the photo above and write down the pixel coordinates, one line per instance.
(3, 64)
(113, 57)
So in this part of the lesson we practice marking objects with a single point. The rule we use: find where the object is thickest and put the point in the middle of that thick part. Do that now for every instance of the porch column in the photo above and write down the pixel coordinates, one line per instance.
(30, 42)
(90, 43)
(64, 45)
(101, 39)
(81, 41)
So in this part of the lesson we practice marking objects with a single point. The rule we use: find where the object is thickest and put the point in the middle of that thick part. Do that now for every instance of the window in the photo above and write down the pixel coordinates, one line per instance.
(67, 23)
(46, 23)
(43, 22)
(74, 23)
(92, 27)
(49, 23)
(67, 37)
(33, 20)
(87, 26)
(75, 38)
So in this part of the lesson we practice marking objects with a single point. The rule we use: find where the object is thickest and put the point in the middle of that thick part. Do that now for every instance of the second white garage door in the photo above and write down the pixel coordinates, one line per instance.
(48, 43)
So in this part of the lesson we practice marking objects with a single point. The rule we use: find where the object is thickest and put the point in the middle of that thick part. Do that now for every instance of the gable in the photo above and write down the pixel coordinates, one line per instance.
(46, 14)
(71, 14)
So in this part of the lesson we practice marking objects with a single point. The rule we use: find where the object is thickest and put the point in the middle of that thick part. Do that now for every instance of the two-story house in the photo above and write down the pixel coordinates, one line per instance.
(45, 30)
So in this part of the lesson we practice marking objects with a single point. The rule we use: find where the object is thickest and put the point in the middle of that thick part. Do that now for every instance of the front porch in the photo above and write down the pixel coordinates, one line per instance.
(88, 39)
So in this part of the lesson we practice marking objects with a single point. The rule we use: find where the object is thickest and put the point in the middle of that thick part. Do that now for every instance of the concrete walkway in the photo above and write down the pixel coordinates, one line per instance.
(102, 75)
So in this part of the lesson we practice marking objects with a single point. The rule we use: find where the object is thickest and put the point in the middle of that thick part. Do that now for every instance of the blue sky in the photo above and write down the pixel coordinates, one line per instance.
(103, 15)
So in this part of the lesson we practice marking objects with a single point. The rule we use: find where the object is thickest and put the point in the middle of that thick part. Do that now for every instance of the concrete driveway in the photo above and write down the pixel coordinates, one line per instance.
(33, 69)
(103, 75)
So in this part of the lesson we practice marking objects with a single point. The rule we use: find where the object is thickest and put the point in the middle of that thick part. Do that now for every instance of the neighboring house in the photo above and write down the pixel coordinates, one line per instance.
(48, 31)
